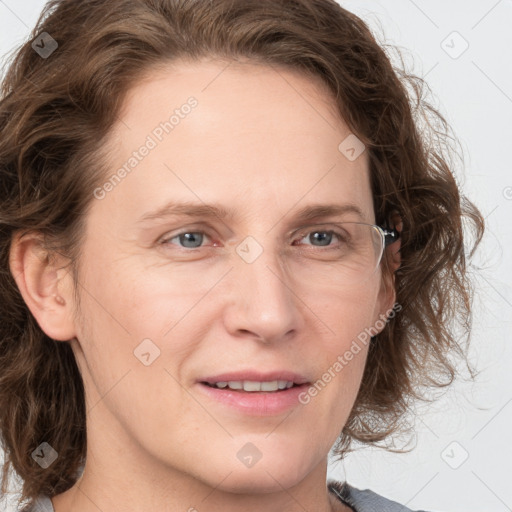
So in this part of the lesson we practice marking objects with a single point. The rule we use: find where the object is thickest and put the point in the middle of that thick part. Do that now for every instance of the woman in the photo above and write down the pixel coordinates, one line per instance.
(226, 247)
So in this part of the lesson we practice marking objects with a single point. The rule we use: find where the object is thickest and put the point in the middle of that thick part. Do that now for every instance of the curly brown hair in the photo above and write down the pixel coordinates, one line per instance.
(56, 112)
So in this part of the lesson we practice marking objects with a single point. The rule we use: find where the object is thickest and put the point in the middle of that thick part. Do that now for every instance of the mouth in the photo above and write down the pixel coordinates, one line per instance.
(254, 398)
(253, 392)
(248, 386)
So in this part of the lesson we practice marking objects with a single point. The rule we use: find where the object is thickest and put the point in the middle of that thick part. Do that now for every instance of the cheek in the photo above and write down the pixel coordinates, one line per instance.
(329, 400)
(346, 320)
(346, 311)
(139, 321)
(139, 301)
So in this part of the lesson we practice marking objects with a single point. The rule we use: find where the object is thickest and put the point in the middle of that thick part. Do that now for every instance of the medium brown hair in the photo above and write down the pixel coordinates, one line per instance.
(56, 112)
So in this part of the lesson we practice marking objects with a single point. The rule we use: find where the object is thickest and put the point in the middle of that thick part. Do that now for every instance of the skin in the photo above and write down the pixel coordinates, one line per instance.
(263, 142)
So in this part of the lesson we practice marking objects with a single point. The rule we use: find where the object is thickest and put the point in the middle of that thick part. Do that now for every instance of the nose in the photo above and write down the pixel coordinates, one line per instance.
(261, 301)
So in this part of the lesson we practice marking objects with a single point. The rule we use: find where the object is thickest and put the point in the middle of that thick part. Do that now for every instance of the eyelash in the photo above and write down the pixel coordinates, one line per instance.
(339, 235)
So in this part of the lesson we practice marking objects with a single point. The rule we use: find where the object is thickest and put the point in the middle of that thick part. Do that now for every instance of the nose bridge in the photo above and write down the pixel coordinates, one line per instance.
(262, 268)
(264, 299)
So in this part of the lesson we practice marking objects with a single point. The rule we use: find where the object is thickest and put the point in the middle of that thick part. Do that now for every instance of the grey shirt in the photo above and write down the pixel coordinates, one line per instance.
(358, 500)
(364, 500)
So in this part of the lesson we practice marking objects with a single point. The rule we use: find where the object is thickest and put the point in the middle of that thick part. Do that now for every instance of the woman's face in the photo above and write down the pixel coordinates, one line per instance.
(160, 313)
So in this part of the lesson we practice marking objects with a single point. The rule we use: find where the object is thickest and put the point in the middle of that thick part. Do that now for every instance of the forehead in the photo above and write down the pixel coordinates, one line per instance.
(256, 135)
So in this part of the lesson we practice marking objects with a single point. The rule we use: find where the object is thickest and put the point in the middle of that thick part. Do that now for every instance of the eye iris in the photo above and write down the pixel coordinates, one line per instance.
(324, 237)
(191, 238)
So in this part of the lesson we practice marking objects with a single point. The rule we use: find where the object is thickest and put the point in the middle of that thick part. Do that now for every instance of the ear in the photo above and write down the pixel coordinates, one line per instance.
(391, 262)
(46, 287)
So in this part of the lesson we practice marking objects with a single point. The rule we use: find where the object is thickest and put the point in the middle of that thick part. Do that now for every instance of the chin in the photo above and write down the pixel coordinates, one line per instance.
(264, 476)
(248, 482)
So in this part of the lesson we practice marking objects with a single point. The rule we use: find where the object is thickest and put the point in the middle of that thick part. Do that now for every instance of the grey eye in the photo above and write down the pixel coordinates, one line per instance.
(188, 240)
(324, 237)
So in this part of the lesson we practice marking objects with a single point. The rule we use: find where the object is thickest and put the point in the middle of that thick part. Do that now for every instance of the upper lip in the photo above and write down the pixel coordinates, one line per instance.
(254, 375)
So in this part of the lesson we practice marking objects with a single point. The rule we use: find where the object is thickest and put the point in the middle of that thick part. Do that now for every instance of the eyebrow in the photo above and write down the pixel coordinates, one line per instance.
(190, 209)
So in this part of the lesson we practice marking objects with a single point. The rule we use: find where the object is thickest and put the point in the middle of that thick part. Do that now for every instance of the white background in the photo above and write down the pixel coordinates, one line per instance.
(474, 92)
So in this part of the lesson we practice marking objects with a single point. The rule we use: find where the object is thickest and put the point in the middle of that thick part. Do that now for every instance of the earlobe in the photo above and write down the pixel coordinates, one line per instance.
(44, 285)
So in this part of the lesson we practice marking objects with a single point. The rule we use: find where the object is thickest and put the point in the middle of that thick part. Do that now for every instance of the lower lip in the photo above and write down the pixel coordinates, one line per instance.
(257, 403)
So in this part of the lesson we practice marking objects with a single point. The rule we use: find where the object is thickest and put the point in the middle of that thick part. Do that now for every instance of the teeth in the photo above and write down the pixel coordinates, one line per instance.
(252, 386)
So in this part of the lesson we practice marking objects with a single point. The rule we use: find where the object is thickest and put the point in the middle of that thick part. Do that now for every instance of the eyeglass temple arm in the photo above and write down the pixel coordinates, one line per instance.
(390, 235)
